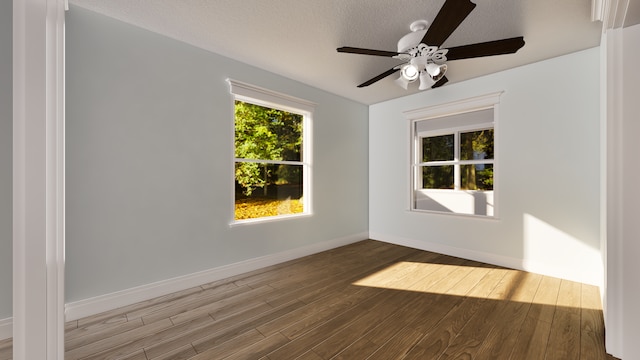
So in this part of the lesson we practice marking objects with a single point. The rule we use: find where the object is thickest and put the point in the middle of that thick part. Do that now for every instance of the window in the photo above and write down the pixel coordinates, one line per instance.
(271, 154)
(461, 160)
(453, 157)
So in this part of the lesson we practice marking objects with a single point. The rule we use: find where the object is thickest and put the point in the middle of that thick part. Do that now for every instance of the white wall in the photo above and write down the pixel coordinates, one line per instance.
(631, 192)
(6, 116)
(149, 161)
(547, 140)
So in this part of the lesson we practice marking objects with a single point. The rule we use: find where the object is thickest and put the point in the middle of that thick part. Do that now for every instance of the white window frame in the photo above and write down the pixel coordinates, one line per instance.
(252, 94)
(488, 101)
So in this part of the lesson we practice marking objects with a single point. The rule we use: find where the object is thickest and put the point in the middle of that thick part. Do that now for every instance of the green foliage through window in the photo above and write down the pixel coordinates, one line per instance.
(437, 148)
(438, 177)
(268, 152)
(442, 161)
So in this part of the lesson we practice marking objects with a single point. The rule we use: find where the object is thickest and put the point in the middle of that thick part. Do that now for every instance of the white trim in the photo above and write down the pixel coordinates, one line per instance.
(232, 162)
(455, 107)
(612, 207)
(270, 97)
(98, 304)
(307, 158)
(568, 273)
(266, 219)
(277, 162)
(55, 178)
(453, 129)
(496, 155)
(612, 13)
(6, 328)
(597, 10)
(449, 250)
(38, 178)
(604, 171)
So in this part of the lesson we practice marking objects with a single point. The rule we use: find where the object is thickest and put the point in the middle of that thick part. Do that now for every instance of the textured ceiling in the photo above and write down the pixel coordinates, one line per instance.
(298, 38)
(632, 16)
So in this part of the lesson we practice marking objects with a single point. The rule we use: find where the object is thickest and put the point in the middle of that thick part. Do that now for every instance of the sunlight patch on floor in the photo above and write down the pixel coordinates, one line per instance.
(459, 280)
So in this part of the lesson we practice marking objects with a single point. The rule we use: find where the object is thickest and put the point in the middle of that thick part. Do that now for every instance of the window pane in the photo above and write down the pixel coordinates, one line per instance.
(267, 190)
(267, 134)
(437, 177)
(476, 177)
(476, 145)
(437, 148)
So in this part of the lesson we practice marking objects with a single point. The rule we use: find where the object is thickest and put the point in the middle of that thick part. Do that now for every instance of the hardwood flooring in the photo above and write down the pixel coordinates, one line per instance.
(368, 300)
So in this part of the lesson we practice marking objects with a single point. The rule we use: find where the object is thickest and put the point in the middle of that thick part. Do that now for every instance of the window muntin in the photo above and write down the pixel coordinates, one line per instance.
(272, 154)
(462, 160)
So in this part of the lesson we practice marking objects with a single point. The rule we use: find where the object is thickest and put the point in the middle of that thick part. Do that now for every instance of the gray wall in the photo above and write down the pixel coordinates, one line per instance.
(149, 131)
(6, 208)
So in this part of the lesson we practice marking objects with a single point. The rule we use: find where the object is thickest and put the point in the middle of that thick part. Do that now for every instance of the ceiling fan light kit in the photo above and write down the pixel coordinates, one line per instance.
(410, 72)
(421, 52)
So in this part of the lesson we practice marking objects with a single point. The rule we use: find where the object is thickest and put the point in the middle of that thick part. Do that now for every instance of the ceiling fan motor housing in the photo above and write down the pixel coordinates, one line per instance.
(412, 39)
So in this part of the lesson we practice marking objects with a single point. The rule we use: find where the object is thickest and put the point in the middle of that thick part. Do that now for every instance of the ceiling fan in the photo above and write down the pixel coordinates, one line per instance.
(421, 51)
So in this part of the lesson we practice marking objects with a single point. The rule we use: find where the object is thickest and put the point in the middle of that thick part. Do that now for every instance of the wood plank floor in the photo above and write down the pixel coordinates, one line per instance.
(368, 300)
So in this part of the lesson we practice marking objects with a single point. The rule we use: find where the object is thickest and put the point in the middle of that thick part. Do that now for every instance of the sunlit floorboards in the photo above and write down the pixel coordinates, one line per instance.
(368, 300)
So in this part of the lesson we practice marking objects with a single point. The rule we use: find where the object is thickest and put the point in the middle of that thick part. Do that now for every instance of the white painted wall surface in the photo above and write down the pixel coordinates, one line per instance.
(547, 151)
(480, 203)
(6, 173)
(631, 191)
(149, 161)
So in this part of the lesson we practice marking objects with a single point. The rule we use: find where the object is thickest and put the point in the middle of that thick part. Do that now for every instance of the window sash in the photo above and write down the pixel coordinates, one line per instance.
(456, 162)
(276, 162)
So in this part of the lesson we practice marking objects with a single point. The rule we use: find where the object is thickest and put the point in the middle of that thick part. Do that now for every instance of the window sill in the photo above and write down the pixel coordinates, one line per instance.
(444, 213)
(246, 222)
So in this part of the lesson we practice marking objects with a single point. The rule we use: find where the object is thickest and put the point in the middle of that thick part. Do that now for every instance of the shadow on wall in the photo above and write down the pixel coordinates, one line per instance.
(458, 202)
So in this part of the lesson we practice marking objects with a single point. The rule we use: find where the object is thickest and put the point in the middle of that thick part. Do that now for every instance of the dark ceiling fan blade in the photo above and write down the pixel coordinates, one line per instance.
(440, 82)
(354, 50)
(451, 15)
(489, 48)
(379, 77)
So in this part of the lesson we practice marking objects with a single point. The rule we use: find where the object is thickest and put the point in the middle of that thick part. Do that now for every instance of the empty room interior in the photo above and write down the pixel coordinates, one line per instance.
(343, 179)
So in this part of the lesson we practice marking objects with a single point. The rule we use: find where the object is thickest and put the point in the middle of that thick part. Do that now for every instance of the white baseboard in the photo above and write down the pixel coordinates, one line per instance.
(591, 276)
(98, 304)
(6, 328)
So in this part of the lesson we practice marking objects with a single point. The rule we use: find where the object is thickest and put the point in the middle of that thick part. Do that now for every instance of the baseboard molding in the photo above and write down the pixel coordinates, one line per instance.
(587, 276)
(6, 328)
(98, 304)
